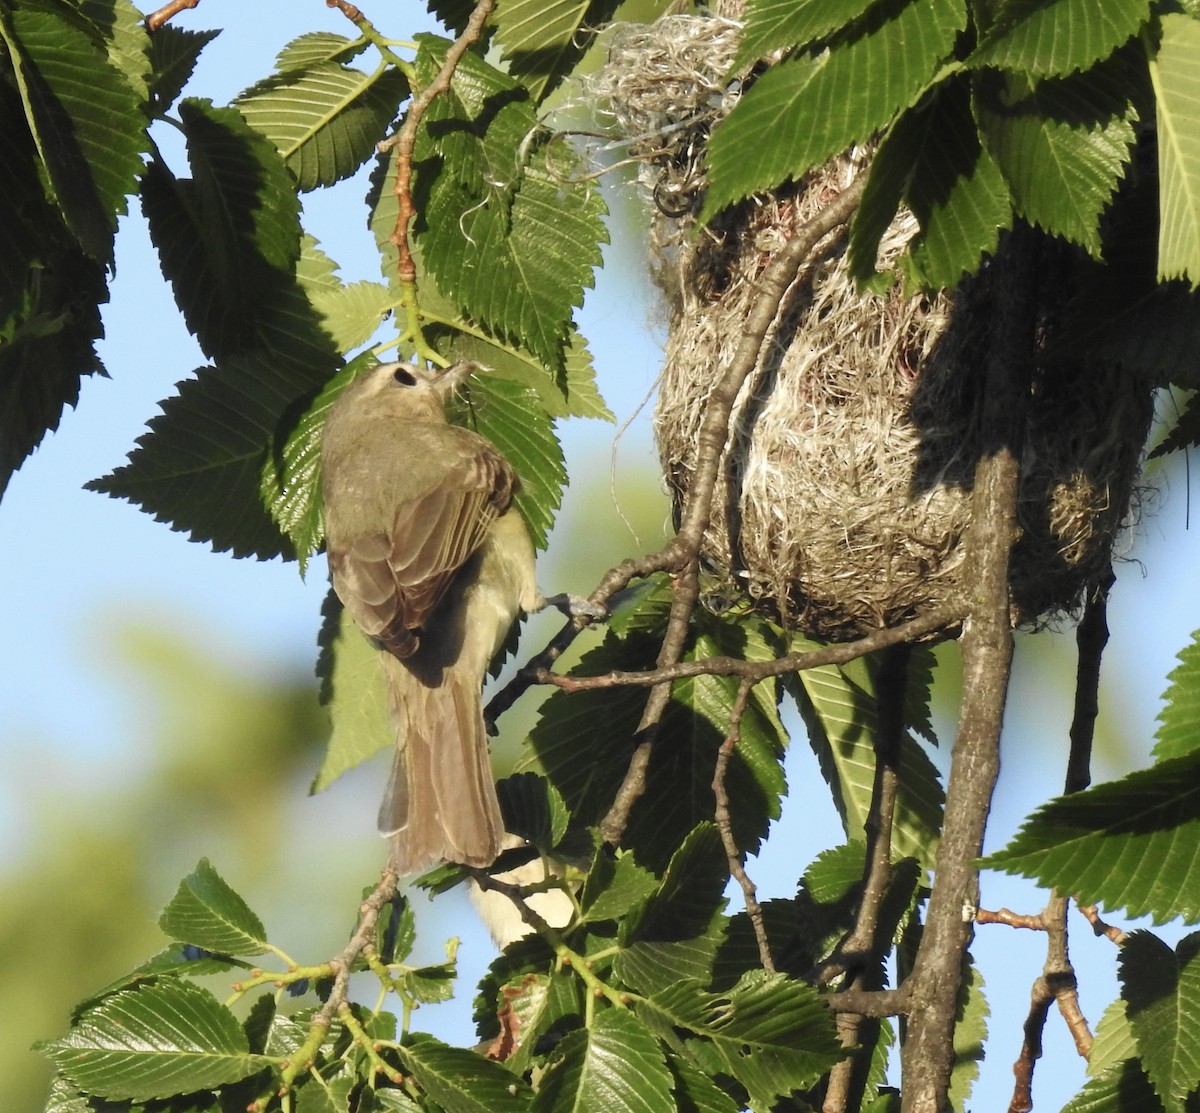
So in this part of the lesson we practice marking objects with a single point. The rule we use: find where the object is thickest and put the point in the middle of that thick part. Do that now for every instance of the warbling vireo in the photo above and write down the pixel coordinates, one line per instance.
(433, 564)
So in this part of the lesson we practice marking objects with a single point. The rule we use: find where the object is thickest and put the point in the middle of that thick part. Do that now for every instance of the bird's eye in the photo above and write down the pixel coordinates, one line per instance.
(404, 376)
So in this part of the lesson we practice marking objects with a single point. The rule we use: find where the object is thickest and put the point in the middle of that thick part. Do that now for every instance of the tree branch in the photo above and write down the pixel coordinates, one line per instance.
(862, 942)
(987, 646)
(684, 549)
(724, 824)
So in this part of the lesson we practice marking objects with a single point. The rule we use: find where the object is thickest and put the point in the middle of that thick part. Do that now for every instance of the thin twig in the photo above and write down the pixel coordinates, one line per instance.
(405, 139)
(724, 823)
(363, 938)
(1092, 915)
(945, 617)
(1012, 919)
(157, 18)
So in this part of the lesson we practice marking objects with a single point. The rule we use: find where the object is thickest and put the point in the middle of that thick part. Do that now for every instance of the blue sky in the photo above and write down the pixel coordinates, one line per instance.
(71, 562)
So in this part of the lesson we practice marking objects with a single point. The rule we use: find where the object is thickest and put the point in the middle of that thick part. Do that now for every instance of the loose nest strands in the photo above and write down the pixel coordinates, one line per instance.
(845, 487)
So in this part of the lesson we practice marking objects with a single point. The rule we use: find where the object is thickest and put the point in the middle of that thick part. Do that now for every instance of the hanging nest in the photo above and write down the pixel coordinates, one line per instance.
(845, 487)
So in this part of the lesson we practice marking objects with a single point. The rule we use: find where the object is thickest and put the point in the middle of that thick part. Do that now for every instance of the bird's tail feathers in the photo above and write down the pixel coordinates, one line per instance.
(440, 804)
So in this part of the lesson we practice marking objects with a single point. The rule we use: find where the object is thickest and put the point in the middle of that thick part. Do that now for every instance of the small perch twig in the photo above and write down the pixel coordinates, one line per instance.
(157, 18)
(724, 823)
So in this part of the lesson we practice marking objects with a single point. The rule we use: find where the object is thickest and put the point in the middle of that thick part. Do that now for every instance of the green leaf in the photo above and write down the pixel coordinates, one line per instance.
(837, 703)
(773, 25)
(954, 188)
(613, 1066)
(354, 692)
(804, 110)
(206, 912)
(513, 419)
(534, 809)
(772, 1033)
(229, 237)
(1123, 1088)
(970, 1035)
(84, 113)
(695, 1092)
(1161, 988)
(614, 887)
(290, 485)
(153, 1042)
(1049, 38)
(1114, 1042)
(541, 40)
(326, 119)
(349, 314)
(174, 52)
(674, 936)
(1175, 72)
(510, 236)
(1130, 843)
(1179, 720)
(574, 394)
(461, 1081)
(200, 466)
(1062, 146)
(316, 47)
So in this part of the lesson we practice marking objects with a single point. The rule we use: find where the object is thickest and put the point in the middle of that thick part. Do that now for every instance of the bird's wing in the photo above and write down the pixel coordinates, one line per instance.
(391, 583)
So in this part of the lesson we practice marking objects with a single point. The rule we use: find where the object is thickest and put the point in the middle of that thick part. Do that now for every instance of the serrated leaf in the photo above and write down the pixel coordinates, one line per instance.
(206, 912)
(84, 113)
(773, 25)
(290, 485)
(511, 417)
(351, 313)
(951, 184)
(534, 809)
(1129, 844)
(1049, 38)
(675, 934)
(970, 1035)
(509, 233)
(613, 887)
(199, 467)
(613, 1066)
(153, 1042)
(573, 394)
(695, 1092)
(354, 692)
(1062, 146)
(804, 110)
(1114, 1042)
(315, 47)
(837, 703)
(541, 40)
(1179, 720)
(326, 119)
(1161, 988)
(461, 1081)
(772, 1033)
(229, 237)
(1175, 72)
(1121, 1089)
(174, 52)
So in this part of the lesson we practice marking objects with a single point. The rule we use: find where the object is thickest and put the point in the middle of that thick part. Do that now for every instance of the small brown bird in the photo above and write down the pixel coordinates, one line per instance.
(434, 565)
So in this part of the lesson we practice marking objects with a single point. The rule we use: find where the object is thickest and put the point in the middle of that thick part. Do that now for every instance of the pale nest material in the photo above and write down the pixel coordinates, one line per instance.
(845, 486)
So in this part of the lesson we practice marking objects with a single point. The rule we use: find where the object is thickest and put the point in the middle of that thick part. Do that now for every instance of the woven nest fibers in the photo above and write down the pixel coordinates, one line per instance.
(845, 486)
